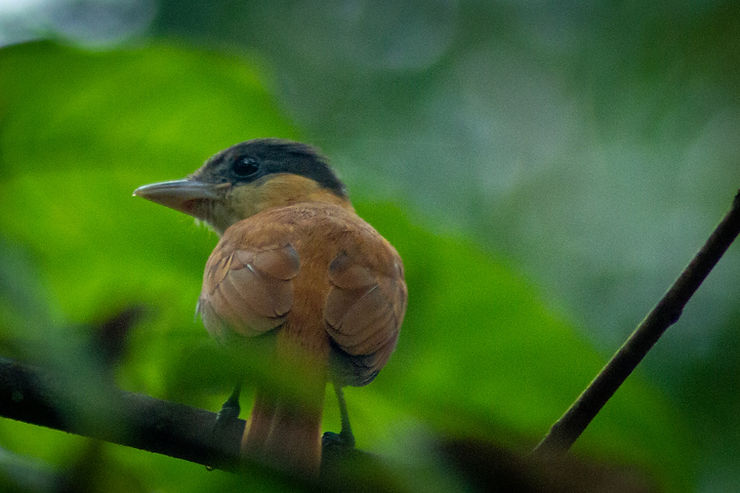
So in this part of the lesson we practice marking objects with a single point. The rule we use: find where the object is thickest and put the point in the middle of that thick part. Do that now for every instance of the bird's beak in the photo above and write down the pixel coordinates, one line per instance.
(182, 195)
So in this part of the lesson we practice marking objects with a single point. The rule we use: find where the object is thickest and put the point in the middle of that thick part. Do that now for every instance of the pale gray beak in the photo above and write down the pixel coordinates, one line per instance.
(185, 195)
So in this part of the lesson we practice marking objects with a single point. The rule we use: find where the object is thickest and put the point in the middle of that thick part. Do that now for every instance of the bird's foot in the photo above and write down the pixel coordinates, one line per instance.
(223, 427)
(338, 441)
(229, 411)
(336, 450)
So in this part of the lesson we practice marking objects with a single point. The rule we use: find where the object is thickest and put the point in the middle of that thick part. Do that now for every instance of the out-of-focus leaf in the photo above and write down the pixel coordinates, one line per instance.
(480, 354)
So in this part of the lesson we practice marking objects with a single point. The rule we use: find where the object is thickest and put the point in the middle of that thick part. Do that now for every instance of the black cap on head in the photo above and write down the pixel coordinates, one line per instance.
(253, 159)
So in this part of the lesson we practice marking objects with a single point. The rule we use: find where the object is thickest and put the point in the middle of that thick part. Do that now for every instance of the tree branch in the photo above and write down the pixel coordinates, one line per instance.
(668, 310)
(31, 395)
(99, 410)
(42, 398)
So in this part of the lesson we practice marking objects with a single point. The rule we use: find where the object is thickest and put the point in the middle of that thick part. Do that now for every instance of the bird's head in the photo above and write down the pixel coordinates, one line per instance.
(248, 178)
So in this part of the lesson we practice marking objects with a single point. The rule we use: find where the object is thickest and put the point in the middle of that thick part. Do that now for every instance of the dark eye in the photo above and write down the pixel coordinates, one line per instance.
(245, 166)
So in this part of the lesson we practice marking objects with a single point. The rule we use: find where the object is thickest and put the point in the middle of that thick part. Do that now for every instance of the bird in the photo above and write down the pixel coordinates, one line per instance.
(297, 267)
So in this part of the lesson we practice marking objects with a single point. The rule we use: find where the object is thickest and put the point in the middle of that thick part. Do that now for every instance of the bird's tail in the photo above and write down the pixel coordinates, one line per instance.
(284, 434)
(284, 428)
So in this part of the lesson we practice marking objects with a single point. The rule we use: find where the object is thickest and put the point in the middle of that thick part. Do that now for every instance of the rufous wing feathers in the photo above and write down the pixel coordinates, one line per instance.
(248, 291)
(363, 312)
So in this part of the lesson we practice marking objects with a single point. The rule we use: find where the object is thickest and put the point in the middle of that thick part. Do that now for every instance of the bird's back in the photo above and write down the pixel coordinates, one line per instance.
(314, 268)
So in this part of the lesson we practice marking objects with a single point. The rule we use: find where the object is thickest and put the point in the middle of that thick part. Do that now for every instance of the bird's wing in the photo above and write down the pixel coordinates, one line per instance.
(248, 291)
(363, 312)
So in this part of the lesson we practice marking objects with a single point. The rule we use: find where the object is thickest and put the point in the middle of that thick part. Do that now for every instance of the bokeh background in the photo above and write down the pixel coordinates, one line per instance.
(545, 169)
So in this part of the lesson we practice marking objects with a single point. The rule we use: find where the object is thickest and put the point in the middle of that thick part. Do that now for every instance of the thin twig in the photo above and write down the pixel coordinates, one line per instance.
(575, 420)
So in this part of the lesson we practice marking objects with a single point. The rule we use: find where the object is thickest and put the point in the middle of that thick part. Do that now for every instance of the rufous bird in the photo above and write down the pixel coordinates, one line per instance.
(296, 261)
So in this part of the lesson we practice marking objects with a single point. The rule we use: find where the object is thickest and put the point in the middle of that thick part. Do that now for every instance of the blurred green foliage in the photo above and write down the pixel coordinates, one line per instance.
(482, 353)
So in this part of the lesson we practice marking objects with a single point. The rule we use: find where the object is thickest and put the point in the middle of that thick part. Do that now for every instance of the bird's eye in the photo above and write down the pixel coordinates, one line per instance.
(245, 166)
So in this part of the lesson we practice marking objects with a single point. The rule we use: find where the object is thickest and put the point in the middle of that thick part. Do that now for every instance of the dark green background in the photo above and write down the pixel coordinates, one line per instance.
(545, 172)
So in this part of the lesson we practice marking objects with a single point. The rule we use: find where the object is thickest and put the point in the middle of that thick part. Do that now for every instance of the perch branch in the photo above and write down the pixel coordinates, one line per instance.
(40, 397)
(668, 310)
(31, 395)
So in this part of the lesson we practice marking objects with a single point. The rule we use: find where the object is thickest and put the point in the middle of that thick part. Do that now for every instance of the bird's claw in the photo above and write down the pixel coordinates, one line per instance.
(228, 412)
(341, 441)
